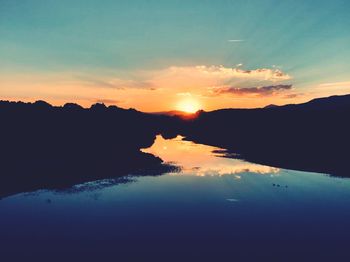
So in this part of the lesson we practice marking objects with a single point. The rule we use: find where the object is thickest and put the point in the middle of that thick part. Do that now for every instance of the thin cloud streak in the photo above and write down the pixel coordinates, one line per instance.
(235, 40)
(339, 84)
(107, 101)
(116, 83)
(256, 91)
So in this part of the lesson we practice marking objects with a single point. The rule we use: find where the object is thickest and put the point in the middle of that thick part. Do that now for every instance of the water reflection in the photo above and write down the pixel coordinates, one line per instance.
(172, 217)
(203, 160)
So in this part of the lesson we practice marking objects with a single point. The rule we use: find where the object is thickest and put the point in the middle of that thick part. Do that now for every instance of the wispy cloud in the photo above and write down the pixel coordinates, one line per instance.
(184, 94)
(183, 79)
(331, 88)
(107, 101)
(293, 95)
(100, 83)
(235, 40)
(115, 83)
(225, 73)
(255, 91)
(202, 80)
(336, 84)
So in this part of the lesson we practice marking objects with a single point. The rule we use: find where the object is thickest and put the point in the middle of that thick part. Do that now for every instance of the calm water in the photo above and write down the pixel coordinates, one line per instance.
(215, 209)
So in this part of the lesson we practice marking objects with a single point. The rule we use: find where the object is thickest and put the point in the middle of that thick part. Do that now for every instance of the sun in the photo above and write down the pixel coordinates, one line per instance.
(188, 105)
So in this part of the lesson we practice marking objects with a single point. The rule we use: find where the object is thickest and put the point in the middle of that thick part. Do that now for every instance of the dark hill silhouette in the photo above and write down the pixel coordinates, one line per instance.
(56, 147)
(314, 136)
(324, 103)
(179, 114)
(271, 106)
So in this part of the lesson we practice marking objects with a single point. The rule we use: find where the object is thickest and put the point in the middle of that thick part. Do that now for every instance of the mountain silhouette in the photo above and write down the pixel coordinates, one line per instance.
(313, 136)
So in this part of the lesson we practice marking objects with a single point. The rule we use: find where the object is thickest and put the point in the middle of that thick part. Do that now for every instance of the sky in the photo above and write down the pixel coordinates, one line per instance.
(160, 55)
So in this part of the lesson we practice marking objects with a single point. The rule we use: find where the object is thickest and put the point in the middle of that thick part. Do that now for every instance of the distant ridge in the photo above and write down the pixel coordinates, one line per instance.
(312, 136)
(180, 114)
(331, 102)
(271, 106)
(171, 113)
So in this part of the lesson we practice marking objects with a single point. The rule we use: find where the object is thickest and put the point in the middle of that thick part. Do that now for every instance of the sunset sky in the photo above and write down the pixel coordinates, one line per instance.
(159, 55)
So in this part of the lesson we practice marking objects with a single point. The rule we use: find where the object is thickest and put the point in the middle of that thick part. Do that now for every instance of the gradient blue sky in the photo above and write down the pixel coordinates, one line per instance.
(125, 52)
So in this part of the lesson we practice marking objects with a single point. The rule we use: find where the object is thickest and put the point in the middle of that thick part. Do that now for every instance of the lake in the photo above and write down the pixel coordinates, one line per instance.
(212, 208)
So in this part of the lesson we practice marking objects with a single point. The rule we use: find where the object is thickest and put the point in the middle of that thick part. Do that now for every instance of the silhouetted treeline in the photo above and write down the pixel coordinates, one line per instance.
(54, 147)
(313, 136)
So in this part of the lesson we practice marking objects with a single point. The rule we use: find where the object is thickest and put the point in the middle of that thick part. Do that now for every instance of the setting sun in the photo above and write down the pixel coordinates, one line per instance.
(188, 105)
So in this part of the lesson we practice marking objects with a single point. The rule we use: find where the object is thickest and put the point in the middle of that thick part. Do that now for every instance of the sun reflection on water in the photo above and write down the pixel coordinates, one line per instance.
(203, 160)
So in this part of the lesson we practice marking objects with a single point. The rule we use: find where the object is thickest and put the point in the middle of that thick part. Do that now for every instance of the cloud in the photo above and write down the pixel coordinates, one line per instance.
(337, 84)
(331, 88)
(115, 83)
(221, 72)
(184, 94)
(200, 80)
(192, 77)
(107, 101)
(255, 91)
(290, 96)
(235, 40)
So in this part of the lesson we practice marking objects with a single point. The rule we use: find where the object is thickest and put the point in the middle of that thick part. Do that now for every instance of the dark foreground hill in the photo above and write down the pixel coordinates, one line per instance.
(56, 147)
(313, 136)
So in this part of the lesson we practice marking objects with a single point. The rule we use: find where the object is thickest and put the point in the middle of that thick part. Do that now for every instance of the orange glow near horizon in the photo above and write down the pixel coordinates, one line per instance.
(188, 105)
(169, 92)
